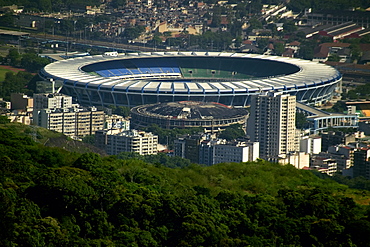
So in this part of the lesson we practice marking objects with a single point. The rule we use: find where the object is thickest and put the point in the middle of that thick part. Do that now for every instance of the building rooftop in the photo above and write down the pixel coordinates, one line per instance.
(191, 110)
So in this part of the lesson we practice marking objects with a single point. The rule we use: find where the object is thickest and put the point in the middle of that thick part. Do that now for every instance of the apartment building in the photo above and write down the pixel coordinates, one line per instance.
(332, 138)
(342, 162)
(361, 163)
(116, 122)
(235, 152)
(272, 124)
(56, 112)
(310, 144)
(299, 160)
(187, 146)
(73, 122)
(51, 101)
(208, 150)
(115, 141)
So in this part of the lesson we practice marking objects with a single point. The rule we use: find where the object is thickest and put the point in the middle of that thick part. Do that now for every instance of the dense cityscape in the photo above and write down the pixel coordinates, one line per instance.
(169, 123)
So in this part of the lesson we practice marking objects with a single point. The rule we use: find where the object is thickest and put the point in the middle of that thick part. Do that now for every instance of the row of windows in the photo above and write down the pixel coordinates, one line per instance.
(138, 99)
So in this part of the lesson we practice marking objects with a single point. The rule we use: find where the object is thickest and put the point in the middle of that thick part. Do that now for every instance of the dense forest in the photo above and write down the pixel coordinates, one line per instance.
(52, 197)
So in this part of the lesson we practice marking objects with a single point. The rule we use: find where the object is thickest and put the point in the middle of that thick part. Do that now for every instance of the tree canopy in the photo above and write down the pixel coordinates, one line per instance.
(51, 197)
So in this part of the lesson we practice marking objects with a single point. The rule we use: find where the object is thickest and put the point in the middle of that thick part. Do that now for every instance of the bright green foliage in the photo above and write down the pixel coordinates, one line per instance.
(133, 32)
(13, 57)
(4, 119)
(29, 60)
(301, 121)
(120, 110)
(51, 197)
(306, 49)
(359, 92)
(233, 132)
(279, 48)
(334, 58)
(167, 136)
(7, 19)
(32, 62)
(20, 82)
(160, 159)
(14, 83)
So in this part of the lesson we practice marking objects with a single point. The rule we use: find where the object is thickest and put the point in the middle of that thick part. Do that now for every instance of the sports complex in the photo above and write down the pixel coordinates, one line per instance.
(227, 78)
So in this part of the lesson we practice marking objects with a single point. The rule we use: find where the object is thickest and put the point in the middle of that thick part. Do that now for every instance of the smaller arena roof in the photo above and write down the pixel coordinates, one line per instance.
(191, 110)
(188, 114)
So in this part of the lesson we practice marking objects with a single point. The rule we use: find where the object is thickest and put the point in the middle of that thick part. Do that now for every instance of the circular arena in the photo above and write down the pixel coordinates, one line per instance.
(187, 114)
(226, 78)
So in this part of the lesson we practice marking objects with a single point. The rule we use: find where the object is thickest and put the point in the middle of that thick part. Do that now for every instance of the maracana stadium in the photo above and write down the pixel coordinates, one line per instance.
(226, 78)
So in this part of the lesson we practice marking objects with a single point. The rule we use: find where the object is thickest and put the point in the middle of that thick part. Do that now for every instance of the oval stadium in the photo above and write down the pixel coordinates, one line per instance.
(226, 78)
(187, 114)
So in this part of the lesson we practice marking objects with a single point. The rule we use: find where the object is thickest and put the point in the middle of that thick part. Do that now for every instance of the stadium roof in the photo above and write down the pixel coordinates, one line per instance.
(309, 73)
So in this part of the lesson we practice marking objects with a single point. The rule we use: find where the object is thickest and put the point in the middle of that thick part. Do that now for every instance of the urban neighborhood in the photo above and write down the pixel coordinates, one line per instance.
(185, 123)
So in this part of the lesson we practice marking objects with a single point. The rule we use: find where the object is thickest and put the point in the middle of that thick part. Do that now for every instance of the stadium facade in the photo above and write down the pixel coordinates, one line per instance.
(213, 117)
(227, 78)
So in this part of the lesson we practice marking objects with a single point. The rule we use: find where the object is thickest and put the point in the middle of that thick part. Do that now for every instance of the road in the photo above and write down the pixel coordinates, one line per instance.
(97, 43)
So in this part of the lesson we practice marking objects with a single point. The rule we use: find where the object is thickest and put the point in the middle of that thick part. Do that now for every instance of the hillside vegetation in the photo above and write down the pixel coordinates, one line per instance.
(53, 197)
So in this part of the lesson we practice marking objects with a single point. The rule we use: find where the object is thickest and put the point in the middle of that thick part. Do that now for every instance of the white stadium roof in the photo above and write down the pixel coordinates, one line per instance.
(310, 73)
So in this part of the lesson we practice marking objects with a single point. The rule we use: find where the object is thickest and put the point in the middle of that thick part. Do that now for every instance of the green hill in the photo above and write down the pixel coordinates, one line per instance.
(52, 197)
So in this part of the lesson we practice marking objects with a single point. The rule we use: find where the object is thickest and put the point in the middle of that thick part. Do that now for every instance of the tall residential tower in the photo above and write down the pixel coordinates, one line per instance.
(272, 124)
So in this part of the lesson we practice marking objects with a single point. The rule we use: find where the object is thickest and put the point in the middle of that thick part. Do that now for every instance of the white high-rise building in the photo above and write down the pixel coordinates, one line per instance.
(51, 101)
(310, 144)
(272, 124)
(115, 141)
(235, 152)
(73, 122)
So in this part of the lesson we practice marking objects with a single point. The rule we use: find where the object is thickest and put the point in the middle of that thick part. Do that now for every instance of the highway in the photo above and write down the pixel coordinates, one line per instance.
(129, 47)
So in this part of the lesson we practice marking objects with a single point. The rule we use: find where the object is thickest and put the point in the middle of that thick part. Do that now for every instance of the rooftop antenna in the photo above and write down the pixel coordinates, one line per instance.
(52, 85)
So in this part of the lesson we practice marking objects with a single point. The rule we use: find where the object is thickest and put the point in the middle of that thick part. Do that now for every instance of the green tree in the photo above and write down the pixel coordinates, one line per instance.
(238, 41)
(167, 34)
(340, 106)
(355, 52)
(216, 20)
(279, 48)
(301, 121)
(289, 27)
(51, 197)
(13, 57)
(7, 19)
(306, 50)
(262, 44)
(120, 110)
(334, 58)
(33, 63)
(44, 5)
(89, 139)
(232, 132)
(133, 32)
(254, 23)
(255, 7)
(4, 119)
(60, 191)
(88, 161)
(14, 83)
(118, 3)
(157, 40)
